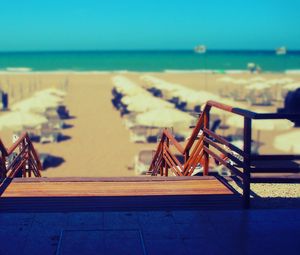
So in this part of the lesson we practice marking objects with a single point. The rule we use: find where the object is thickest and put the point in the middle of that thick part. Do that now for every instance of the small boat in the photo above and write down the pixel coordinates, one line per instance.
(201, 49)
(281, 51)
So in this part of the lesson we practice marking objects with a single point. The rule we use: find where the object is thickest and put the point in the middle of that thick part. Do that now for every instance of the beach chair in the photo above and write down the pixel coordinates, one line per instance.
(138, 134)
(54, 119)
(142, 162)
(63, 112)
(49, 135)
(33, 132)
(264, 98)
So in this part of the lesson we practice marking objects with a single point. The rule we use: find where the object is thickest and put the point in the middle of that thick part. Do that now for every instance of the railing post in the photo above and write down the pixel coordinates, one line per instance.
(3, 166)
(166, 165)
(247, 161)
(205, 144)
(186, 155)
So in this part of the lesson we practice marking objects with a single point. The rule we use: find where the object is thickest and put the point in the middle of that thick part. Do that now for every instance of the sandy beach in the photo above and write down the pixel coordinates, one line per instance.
(96, 142)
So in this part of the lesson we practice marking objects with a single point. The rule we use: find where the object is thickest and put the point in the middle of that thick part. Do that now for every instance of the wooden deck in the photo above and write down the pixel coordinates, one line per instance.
(105, 193)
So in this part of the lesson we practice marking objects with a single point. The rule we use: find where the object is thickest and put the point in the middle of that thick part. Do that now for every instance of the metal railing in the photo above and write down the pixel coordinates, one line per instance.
(20, 160)
(204, 145)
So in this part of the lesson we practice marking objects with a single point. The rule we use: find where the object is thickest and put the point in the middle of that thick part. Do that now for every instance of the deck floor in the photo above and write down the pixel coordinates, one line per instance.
(69, 188)
(86, 194)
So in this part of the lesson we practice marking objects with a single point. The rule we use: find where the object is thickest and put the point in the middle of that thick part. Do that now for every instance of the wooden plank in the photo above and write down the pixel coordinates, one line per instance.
(114, 179)
(81, 189)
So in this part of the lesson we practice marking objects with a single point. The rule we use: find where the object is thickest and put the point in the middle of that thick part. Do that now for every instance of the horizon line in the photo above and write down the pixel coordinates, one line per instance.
(143, 50)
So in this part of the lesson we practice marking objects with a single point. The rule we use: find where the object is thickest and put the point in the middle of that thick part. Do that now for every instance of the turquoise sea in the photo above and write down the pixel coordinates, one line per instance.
(148, 60)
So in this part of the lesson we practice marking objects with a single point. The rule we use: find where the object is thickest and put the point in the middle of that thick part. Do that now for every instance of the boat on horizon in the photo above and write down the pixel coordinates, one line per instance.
(281, 50)
(200, 49)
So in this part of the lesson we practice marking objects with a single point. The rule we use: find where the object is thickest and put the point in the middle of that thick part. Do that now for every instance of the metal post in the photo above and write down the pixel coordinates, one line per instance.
(205, 144)
(166, 165)
(247, 162)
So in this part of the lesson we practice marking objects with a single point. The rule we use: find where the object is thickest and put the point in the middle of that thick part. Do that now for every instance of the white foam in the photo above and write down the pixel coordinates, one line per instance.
(295, 71)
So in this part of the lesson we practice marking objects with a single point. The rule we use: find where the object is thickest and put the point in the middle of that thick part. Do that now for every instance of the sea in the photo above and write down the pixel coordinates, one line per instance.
(148, 61)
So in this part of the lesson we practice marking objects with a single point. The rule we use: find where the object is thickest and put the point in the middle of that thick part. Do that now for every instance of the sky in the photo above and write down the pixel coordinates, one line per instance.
(37, 25)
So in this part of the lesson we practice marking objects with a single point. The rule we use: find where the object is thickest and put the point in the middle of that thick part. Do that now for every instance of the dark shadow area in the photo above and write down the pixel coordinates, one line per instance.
(119, 203)
(258, 202)
(275, 203)
(67, 126)
(63, 138)
(4, 184)
(49, 160)
(71, 117)
(35, 138)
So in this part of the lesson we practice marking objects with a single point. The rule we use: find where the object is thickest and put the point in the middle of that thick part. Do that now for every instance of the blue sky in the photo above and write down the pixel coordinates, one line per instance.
(148, 24)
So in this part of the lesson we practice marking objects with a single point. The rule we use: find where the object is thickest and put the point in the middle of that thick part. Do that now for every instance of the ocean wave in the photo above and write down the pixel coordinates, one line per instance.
(293, 71)
(210, 71)
(18, 69)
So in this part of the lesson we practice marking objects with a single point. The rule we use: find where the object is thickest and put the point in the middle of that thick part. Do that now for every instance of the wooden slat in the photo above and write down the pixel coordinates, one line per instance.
(223, 162)
(81, 189)
(225, 142)
(226, 153)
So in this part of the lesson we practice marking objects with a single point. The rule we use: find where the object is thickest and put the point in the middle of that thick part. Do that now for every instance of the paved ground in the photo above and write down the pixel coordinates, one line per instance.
(155, 232)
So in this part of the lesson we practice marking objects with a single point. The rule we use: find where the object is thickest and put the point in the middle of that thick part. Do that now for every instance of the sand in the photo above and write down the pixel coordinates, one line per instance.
(97, 143)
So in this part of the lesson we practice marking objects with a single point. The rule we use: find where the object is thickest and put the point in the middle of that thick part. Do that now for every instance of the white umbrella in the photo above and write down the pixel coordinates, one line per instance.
(258, 86)
(163, 118)
(286, 80)
(288, 142)
(195, 97)
(260, 125)
(126, 86)
(19, 119)
(161, 84)
(144, 102)
(257, 79)
(52, 92)
(267, 125)
(240, 82)
(36, 104)
(291, 86)
(226, 79)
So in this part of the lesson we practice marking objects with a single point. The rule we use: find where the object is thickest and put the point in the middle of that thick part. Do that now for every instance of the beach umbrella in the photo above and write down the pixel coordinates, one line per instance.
(225, 79)
(13, 120)
(288, 142)
(291, 86)
(143, 103)
(162, 85)
(286, 80)
(194, 97)
(241, 82)
(51, 92)
(267, 125)
(258, 86)
(36, 104)
(163, 118)
(257, 79)
(274, 82)
(126, 86)
(260, 125)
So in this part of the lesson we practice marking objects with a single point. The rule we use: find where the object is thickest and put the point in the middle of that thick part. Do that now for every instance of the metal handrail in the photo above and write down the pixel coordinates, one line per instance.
(242, 168)
(26, 159)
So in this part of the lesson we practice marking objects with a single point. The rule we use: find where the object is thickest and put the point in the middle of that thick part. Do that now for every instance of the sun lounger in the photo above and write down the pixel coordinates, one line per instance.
(49, 136)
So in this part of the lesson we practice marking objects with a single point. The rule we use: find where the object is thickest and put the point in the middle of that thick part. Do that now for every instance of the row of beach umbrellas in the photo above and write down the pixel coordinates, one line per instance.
(28, 112)
(149, 111)
(277, 88)
(174, 90)
(157, 112)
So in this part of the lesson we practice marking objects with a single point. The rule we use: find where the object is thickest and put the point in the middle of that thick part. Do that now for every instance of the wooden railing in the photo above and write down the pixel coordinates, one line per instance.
(204, 145)
(20, 160)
